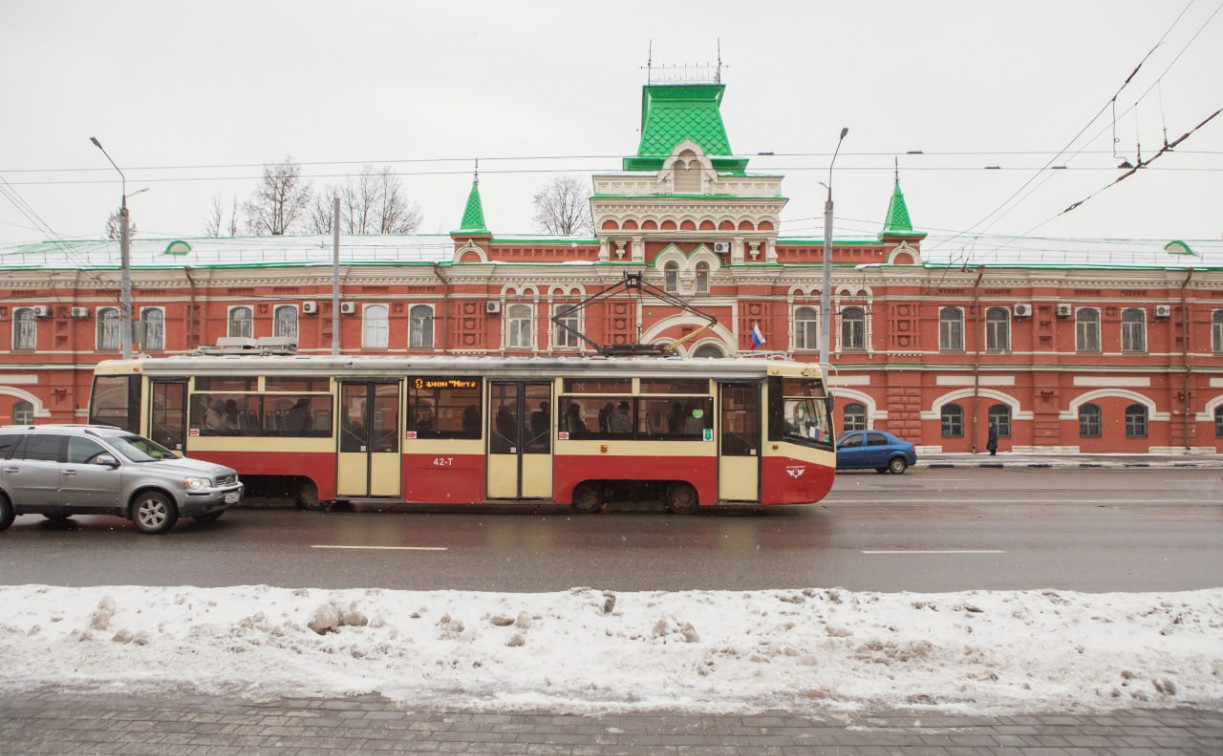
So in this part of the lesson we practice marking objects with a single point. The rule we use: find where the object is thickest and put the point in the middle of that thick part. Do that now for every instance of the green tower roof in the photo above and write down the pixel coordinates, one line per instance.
(897, 222)
(473, 214)
(672, 113)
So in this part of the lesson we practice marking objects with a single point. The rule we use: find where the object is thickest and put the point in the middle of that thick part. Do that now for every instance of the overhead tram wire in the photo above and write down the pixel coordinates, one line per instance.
(1081, 131)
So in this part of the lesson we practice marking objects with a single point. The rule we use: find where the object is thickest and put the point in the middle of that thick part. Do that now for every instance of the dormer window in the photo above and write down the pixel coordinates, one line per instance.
(687, 173)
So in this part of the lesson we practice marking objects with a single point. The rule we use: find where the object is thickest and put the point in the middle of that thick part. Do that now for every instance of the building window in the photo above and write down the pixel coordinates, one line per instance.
(25, 329)
(1135, 421)
(853, 328)
(23, 413)
(518, 323)
(376, 328)
(284, 322)
(1133, 330)
(567, 337)
(853, 418)
(712, 351)
(1087, 330)
(1089, 421)
(1000, 416)
(420, 327)
(997, 329)
(670, 277)
(951, 329)
(108, 329)
(952, 417)
(154, 321)
(1216, 331)
(241, 322)
(1219, 422)
(806, 328)
(702, 278)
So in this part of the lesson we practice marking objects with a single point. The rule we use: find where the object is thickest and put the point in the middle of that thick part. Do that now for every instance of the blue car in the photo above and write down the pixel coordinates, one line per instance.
(874, 450)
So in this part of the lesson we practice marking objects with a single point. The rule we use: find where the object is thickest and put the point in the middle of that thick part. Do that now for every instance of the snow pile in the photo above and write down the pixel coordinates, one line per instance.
(589, 650)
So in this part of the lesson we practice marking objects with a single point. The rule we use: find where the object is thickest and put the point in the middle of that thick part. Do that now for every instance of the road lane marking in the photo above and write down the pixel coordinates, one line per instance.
(934, 551)
(383, 548)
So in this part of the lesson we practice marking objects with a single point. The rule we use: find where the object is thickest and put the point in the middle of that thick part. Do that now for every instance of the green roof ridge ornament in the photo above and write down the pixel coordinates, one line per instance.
(177, 247)
(1178, 247)
(473, 214)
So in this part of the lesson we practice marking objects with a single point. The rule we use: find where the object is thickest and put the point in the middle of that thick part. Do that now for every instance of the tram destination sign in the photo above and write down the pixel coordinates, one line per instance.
(425, 383)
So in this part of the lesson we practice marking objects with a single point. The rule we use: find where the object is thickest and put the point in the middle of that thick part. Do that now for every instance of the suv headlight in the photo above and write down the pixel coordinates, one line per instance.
(197, 484)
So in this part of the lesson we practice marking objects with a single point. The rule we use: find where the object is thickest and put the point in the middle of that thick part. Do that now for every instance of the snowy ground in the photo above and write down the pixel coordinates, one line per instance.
(587, 650)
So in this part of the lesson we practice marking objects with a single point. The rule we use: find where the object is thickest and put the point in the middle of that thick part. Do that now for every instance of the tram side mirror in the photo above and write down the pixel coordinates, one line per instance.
(828, 405)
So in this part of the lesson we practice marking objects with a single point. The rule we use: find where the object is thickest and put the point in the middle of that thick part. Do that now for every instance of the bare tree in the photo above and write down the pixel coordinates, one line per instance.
(114, 229)
(370, 203)
(563, 207)
(214, 222)
(280, 201)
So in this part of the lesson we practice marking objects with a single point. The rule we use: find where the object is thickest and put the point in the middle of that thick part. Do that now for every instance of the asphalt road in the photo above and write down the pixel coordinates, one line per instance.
(928, 530)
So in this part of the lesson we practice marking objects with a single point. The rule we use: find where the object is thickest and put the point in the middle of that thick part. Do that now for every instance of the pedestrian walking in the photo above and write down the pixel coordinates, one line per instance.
(992, 444)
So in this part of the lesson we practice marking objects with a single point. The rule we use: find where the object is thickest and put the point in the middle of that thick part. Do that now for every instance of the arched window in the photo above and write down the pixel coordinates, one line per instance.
(518, 325)
(709, 350)
(567, 338)
(420, 327)
(1135, 421)
(853, 328)
(806, 328)
(1089, 421)
(952, 417)
(853, 417)
(1000, 416)
(1133, 330)
(951, 329)
(687, 174)
(108, 329)
(284, 321)
(1219, 421)
(377, 327)
(23, 413)
(25, 329)
(1216, 331)
(997, 329)
(670, 276)
(702, 277)
(1087, 330)
(241, 322)
(154, 321)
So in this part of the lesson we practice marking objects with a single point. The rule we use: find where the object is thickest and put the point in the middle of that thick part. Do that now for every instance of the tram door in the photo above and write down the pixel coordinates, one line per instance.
(739, 442)
(520, 440)
(369, 461)
(168, 413)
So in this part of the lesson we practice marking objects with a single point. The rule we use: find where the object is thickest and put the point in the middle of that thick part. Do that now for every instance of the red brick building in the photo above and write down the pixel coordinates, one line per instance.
(1067, 347)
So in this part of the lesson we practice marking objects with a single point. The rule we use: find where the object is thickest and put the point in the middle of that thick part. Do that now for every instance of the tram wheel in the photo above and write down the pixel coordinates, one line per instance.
(681, 498)
(587, 498)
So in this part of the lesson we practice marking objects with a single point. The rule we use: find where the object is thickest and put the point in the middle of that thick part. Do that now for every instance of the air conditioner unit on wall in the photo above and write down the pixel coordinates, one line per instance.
(492, 307)
(78, 312)
(1023, 310)
(348, 308)
(41, 311)
(1064, 310)
(721, 248)
(1163, 311)
(310, 308)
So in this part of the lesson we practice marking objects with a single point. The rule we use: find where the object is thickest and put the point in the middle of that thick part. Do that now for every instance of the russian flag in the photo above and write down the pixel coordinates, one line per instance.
(757, 337)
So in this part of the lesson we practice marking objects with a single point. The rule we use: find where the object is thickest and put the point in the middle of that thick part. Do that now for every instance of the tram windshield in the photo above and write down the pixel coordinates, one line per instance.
(799, 411)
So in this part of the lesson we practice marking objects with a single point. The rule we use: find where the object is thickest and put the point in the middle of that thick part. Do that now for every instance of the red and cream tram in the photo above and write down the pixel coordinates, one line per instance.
(568, 431)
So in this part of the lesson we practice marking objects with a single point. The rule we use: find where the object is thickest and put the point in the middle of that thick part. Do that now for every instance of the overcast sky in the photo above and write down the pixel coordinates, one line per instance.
(191, 98)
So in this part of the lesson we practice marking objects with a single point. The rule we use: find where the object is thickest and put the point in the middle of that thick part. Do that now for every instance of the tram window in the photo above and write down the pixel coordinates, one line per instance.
(115, 401)
(579, 417)
(228, 383)
(675, 418)
(296, 385)
(797, 412)
(674, 386)
(444, 408)
(598, 386)
(298, 415)
(225, 414)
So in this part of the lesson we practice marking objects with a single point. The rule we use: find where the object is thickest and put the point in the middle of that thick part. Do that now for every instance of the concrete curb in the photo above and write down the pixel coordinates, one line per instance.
(1073, 461)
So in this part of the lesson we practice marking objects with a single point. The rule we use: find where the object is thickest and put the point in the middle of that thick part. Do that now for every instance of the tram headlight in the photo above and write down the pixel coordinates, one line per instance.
(197, 484)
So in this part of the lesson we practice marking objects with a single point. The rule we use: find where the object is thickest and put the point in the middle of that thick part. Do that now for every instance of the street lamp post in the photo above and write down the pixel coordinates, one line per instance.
(826, 287)
(125, 261)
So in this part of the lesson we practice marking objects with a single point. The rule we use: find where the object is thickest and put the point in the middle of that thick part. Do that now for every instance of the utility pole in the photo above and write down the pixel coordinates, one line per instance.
(826, 286)
(125, 261)
(335, 279)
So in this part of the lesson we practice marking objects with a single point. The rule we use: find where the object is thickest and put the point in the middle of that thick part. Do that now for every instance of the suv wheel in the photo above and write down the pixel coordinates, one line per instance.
(153, 513)
(6, 512)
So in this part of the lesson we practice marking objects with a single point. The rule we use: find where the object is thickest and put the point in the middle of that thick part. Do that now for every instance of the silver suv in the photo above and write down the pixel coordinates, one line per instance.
(62, 470)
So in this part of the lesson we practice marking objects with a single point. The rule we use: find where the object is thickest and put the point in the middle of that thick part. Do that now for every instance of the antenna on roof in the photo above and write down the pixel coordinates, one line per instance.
(476, 179)
(649, 62)
(897, 167)
(717, 77)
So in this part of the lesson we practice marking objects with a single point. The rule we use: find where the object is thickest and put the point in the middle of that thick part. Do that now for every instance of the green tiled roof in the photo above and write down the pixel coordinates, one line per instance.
(673, 113)
(897, 222)
(473, 215)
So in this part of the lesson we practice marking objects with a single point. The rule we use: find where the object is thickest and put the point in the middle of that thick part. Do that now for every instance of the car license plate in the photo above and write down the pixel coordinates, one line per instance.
(231, 498)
